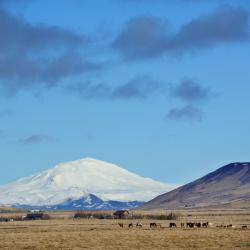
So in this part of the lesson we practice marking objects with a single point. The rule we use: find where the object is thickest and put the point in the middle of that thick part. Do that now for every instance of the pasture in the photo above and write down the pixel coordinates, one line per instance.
(64, 232)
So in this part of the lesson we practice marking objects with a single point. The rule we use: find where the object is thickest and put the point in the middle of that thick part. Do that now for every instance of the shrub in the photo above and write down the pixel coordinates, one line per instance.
(92, 215)
(170, 216)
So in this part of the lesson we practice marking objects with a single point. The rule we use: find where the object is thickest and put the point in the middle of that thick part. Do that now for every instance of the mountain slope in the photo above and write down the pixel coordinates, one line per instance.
(224, 187)
(81, 180)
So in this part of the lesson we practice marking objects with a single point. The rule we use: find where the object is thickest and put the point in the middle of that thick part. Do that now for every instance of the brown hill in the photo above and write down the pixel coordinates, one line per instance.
(227, 187)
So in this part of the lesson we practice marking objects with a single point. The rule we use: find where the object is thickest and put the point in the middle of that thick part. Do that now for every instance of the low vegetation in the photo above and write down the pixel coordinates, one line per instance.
(9, 210)
(64, 232)
(135, 215)
(93, 215)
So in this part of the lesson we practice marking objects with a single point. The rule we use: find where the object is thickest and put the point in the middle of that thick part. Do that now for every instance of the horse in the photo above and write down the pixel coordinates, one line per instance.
(138, 225)
(153, 225)
(198, 224)
(172, 225)
(205, 224)
(121, 224)
(190, 224)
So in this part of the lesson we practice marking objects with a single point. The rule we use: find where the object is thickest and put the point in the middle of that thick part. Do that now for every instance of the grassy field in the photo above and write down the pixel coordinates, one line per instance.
(63, 232)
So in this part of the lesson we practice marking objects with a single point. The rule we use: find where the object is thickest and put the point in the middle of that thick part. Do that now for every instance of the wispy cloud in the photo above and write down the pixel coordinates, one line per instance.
(90, 90)
(190, 90)
(36, 139)
(139, 87)
(143, 87)
(186, 113)
(149, 37)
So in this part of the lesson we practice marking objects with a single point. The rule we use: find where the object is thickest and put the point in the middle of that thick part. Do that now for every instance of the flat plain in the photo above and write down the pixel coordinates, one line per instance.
(64, 232)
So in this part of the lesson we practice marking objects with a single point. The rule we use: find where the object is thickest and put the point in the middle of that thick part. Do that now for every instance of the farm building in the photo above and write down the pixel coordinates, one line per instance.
(36, 216)
(121, 214)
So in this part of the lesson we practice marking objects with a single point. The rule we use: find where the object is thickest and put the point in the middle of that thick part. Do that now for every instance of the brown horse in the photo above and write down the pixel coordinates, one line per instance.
(121, 224)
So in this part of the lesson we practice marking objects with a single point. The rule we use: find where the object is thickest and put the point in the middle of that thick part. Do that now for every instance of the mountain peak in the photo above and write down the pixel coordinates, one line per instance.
(238, 164)
(82, 160)
(237, 168)
(86, 161)
(89, 159)
(79, 178)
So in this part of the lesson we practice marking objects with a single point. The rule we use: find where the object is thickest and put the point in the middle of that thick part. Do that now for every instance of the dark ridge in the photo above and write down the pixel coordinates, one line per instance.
(224, 171)
(229, 183)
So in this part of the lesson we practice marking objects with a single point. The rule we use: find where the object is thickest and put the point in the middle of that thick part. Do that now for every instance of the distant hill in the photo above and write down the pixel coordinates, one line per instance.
(227, 187)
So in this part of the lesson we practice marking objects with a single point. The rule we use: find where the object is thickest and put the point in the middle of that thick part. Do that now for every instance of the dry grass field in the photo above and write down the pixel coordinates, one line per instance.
(63, 232)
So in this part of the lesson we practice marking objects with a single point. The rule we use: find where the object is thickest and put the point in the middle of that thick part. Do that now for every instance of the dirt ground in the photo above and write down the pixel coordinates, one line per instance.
(69, 233)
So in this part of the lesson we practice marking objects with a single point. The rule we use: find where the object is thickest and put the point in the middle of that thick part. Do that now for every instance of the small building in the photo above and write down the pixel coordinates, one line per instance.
(36, 216)
(121, 214)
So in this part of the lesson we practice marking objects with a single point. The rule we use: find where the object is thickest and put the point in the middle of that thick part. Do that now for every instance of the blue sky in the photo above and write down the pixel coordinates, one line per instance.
(160, 88)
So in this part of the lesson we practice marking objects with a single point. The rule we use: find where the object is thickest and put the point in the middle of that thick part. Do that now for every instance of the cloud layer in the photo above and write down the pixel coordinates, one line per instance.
(143, 37)
(38, 54)
(149, 37)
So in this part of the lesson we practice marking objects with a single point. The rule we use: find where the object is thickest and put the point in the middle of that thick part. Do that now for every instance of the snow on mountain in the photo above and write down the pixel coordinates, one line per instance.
(81, 180)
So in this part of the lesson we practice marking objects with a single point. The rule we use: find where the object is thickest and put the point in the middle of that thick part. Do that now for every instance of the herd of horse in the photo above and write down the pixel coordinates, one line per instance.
(154, 225)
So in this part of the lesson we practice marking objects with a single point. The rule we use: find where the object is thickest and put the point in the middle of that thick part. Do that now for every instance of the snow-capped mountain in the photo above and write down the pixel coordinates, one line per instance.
(85, 183)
